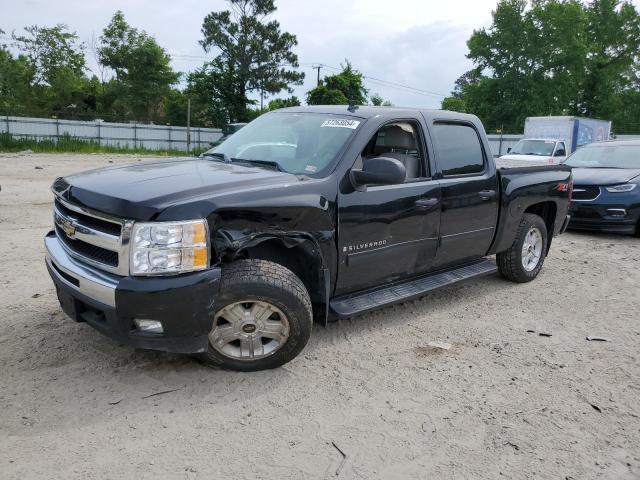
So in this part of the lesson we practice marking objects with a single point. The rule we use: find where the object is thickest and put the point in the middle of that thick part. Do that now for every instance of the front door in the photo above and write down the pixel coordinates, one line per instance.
(389, 232)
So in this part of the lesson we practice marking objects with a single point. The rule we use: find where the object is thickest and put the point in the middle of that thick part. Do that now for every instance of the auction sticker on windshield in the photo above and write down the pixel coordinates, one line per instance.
(342, 123)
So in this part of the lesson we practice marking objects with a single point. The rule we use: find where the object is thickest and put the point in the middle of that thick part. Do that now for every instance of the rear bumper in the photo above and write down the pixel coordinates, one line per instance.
(109, 303)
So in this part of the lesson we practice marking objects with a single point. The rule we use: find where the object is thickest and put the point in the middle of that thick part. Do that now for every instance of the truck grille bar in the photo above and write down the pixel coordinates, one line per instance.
(93, 237)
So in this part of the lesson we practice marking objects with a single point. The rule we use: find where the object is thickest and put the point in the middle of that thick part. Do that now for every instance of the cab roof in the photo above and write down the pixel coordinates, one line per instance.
(367, 111)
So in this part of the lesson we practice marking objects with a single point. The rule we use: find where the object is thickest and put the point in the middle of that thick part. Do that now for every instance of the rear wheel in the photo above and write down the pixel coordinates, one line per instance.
(524, 260)
(263, 317)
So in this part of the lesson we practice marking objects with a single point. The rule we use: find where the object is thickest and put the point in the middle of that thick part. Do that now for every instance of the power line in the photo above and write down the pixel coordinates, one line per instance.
(387, 83)
(314, 66)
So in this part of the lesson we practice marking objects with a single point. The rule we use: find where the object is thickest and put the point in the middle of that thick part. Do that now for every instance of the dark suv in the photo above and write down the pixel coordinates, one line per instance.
(606, 195)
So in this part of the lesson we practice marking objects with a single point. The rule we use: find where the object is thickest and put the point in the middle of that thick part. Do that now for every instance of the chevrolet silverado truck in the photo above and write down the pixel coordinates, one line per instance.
(306, 214)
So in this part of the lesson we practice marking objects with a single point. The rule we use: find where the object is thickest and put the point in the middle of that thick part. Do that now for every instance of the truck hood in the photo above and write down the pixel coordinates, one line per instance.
(142, 190)
(603, 176)
(532, 158)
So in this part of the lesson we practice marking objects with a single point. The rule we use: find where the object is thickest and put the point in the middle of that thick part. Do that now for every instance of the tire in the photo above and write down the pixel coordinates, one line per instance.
(511, 263)
(282, 312)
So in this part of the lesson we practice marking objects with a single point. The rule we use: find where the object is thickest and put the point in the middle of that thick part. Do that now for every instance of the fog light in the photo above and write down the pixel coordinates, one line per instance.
(617, 212)
(148, 326)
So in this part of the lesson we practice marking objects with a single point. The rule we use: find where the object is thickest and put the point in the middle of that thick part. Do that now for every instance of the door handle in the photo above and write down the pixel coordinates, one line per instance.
(427, 203)
(487, 194)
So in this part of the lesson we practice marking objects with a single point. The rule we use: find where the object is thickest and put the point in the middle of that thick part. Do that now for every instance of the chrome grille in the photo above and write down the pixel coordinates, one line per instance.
(111, 228)
(93, 237)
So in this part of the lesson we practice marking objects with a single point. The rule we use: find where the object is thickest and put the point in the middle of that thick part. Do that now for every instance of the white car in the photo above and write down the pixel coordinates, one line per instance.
(535, 151)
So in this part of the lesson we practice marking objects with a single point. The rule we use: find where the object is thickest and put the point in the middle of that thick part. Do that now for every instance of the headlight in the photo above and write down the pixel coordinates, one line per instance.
(169, 247)
(627, 187)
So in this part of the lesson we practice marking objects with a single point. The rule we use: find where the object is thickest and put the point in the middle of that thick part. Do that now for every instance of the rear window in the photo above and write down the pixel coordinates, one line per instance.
(459, 149)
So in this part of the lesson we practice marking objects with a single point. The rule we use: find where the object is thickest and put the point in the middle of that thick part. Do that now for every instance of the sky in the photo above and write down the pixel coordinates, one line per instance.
(420, 44)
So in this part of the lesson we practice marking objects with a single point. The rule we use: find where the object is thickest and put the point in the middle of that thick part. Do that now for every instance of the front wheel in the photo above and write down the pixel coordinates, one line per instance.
(263, 317)
(523, 261)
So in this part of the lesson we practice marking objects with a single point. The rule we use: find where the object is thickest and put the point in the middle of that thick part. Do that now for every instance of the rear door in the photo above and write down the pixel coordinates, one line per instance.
(468, 189)
(387, 232)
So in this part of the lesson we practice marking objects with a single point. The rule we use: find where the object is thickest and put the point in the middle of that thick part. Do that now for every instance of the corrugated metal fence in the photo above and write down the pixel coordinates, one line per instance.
(157, 137)
(126, 135)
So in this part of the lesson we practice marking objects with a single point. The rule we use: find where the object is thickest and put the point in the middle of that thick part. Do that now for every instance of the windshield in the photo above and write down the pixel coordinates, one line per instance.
(299, 143)
(533, 147)
(611, 156)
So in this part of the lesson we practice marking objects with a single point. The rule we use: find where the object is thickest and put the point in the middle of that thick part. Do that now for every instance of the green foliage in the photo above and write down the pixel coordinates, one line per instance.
(275, 104)
(67, 143)
(378, 101)
(16, 78)
(278, 103)
(323, 95)
(52, 52)
(551, 57)
(346, 87)
(252, 55)
(454, 104)
(143, 75)
(48, 77)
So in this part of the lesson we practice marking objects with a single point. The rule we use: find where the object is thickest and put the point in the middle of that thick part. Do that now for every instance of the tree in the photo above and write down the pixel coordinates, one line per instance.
(51, 51)
(57, 83)
(278, 103)
(16, 77)
(378, 101)
(551, 57)
(611, 74)
(275, 104)
(215, 100)
(252, 55)
(346, 87)
(143, 74)
(454, 104)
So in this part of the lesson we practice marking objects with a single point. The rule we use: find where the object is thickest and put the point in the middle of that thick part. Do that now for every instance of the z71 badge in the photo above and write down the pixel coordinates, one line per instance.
(363, 246)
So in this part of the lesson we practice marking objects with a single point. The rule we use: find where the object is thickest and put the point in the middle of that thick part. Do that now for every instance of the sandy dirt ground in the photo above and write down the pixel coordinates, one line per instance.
(368, 398)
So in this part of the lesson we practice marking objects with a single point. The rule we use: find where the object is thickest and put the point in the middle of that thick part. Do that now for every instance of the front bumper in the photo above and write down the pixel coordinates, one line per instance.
(110, 303)
(604, 217)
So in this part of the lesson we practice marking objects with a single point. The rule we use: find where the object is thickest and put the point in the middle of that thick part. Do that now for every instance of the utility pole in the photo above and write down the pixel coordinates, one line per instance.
(188, 125)
(317, 67)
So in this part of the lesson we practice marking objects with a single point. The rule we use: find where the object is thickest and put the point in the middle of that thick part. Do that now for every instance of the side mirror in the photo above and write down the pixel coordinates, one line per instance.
(509, 150)
(560, 153)
(379, 171)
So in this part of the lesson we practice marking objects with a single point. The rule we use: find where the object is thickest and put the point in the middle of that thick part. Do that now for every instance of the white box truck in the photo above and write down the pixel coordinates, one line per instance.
(548, 140)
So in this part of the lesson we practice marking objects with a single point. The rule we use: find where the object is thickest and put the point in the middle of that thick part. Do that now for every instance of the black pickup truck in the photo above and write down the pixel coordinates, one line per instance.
(308, 213)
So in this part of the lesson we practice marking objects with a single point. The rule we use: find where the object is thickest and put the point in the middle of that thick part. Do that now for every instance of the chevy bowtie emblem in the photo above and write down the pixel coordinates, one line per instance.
(69, 228)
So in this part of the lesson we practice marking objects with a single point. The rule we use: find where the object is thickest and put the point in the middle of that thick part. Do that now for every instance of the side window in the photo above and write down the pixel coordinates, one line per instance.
(400, 140)
(459, 149)
(561, 151)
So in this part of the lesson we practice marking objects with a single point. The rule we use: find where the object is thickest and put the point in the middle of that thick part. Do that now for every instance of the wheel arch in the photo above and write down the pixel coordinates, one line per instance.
(548, 211)
(300, 254)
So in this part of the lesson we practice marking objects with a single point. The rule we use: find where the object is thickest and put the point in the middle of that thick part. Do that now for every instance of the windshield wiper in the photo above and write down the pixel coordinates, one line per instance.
(225, 158)
(259, 163)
